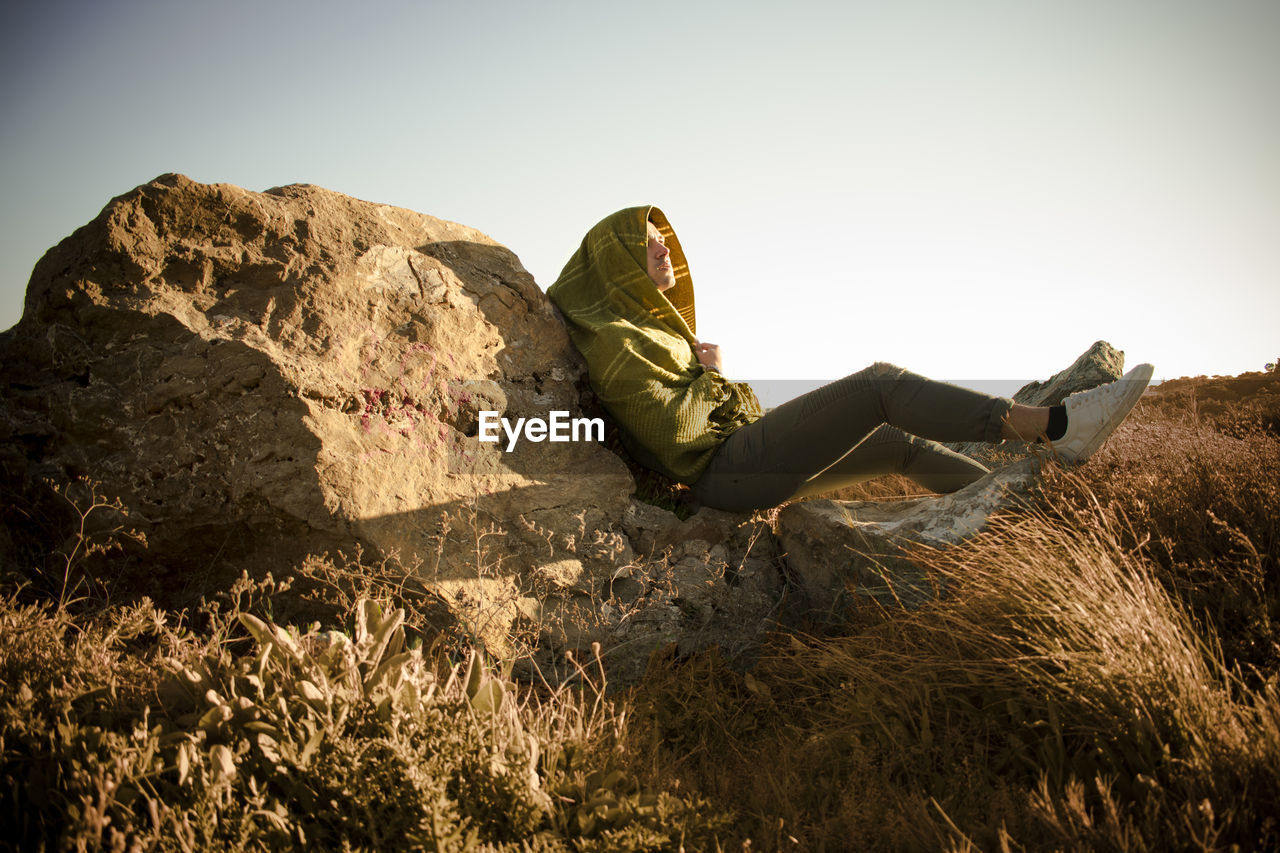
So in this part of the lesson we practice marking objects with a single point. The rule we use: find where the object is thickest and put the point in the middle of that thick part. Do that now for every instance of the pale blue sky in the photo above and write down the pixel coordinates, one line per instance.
(973, 190)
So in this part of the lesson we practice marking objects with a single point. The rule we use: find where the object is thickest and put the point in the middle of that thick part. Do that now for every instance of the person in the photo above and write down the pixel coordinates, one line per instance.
(628, 303)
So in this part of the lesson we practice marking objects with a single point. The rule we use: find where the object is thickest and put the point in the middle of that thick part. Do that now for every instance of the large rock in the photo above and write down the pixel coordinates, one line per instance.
(840, 553)
(260, 377)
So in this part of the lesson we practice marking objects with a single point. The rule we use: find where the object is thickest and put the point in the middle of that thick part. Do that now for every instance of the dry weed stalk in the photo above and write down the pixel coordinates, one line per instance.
(1060, 695)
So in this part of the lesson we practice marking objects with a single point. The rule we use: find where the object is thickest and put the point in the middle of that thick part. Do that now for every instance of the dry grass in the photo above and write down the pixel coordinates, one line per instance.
(1202, 504)
(891, 487)
(1085, 684)
(1102, 674)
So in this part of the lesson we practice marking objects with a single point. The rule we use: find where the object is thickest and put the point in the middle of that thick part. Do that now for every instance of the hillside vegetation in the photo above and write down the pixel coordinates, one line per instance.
(1101, 671)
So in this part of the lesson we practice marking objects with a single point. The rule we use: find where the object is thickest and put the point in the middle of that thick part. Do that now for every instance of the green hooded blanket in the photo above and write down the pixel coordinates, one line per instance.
(638, 342)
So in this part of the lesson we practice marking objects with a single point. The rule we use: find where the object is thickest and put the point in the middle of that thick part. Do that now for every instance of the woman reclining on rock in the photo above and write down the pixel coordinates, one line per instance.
(628, 302)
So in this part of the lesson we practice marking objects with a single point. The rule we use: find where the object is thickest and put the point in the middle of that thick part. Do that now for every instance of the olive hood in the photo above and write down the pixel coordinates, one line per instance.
(638, 343)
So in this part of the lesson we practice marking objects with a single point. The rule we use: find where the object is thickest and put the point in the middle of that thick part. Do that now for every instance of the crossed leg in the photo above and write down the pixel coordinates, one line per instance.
(834, 435)
(889, 450)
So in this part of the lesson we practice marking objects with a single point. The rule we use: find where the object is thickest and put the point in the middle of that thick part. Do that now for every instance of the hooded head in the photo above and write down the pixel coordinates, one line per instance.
(638, 344)
(613, 264)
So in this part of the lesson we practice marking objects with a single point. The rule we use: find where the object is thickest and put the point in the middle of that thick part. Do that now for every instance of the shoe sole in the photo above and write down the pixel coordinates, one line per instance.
(1135, 382)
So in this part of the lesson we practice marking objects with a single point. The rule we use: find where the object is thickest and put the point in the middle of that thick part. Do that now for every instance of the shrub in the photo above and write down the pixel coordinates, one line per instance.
(1202, 507)
(262, 737)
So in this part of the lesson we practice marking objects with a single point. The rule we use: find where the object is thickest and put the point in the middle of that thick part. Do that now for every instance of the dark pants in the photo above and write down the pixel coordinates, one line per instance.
(881, 420)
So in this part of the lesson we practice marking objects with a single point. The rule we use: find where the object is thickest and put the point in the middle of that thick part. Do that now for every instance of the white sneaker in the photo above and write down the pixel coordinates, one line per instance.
(1094, 414)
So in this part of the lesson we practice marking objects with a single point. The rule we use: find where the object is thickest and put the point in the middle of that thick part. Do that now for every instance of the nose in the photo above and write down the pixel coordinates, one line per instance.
(663, 251)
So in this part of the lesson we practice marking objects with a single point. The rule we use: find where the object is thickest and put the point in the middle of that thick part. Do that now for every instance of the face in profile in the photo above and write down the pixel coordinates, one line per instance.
(659, 260)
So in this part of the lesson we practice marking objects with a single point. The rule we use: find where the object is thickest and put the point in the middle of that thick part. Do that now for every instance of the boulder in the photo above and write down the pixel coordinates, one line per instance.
(1098, 365)
(842, 553)
(262, 378)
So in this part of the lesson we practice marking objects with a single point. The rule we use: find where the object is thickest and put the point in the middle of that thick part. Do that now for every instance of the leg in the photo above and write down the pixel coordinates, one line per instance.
(764, 463)
(1026, 422)
(889, 450)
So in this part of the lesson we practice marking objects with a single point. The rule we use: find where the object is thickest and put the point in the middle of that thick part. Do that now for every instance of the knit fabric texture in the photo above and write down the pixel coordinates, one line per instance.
(638, 343)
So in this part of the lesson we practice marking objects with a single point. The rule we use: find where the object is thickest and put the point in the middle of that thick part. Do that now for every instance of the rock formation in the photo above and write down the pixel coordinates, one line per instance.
(259, 377)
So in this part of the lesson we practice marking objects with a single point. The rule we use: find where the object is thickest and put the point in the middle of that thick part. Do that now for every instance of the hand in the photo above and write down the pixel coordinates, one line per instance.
(708, 355)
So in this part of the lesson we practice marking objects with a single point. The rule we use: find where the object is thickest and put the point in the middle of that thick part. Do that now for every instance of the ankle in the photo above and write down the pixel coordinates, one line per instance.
(1026, 423)
(1057, 426)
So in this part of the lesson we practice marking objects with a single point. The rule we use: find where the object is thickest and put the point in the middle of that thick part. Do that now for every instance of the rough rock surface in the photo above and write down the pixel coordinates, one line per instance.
(1098, 365)
(838, 549)
(260, 377)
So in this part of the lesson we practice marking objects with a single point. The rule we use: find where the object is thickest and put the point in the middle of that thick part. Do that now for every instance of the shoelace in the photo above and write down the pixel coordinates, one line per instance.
(1107, 391)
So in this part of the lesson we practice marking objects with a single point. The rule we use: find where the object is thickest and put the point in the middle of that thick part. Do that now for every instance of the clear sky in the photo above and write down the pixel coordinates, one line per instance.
(976, 191)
